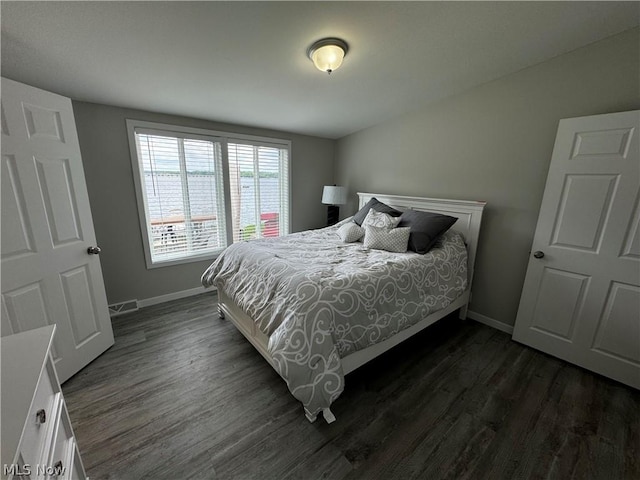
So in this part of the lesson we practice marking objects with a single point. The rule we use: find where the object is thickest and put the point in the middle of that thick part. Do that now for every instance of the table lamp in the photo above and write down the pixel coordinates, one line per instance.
(333, 196)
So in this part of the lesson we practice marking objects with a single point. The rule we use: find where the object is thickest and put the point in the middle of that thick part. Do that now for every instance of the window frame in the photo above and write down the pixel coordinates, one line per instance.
(224, 138)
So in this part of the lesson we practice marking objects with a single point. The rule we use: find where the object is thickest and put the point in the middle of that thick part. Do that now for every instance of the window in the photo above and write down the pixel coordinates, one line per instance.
(259, 190)
(198, 190)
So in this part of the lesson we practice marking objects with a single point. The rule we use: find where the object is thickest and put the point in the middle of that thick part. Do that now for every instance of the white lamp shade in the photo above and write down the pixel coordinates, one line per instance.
(333, 195)
(328, 58)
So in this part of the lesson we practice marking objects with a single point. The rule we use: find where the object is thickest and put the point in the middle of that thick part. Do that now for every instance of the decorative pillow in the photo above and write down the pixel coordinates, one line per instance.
(350, 232)
(378, 206)
(391, 240)
(426, 228)
(379, 219)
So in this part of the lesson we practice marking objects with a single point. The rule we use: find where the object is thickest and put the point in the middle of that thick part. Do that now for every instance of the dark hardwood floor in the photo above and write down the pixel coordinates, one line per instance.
(182, 394)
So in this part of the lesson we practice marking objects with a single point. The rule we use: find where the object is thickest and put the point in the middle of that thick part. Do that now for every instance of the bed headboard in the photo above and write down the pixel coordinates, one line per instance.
(468, 213)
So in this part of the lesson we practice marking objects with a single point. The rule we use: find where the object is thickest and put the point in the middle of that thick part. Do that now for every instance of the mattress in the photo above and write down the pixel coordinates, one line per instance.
(319, 299)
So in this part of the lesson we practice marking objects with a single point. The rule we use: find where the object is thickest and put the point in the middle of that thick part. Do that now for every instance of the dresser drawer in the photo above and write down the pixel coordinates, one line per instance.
(40, 423)
(60, 458)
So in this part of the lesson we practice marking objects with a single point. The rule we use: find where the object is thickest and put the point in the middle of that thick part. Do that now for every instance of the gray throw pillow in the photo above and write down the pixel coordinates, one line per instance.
(426, 228)
(376, 205)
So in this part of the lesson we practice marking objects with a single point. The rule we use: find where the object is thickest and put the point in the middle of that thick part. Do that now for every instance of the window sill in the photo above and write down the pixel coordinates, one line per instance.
(209, 256)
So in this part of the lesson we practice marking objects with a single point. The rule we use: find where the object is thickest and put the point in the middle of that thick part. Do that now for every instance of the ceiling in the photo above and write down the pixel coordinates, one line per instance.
(245, 62)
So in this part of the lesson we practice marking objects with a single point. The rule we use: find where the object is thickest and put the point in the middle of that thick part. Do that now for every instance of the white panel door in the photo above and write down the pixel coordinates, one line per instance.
(581, 296)
(48, 276)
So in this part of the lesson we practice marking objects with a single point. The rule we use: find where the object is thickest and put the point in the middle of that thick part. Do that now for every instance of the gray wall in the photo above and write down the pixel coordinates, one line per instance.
(107, 165)
(494, 143)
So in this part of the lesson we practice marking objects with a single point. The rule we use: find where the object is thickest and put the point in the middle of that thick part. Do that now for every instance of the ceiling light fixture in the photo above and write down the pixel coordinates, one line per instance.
(327, 54)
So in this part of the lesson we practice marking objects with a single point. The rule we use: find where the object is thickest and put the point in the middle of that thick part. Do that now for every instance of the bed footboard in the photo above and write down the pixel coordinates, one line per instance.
(227, 309)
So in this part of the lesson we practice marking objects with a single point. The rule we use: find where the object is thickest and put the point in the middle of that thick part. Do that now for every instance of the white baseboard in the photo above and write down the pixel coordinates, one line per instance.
(490, 322)
(147, 302)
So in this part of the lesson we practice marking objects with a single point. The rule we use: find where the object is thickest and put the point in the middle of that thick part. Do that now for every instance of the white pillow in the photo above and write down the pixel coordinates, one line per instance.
(379, 219)
(391, 240)
(350, 232)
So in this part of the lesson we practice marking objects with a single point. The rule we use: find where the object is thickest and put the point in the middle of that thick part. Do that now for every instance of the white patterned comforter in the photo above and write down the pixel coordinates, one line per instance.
(319, 299)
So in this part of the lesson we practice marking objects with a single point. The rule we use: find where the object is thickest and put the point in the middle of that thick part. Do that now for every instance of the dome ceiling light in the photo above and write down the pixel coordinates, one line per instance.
(327, 53)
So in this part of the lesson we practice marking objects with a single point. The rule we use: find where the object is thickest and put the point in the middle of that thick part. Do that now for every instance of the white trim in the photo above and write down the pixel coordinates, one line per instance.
(147, 302)
(491, 322)
(209, 255)
(172, 129)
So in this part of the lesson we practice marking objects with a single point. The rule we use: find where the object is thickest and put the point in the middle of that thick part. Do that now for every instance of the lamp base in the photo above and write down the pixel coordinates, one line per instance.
(333, 213)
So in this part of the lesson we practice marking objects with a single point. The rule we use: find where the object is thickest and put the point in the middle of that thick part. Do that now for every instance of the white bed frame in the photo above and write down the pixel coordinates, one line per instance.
(469, 214)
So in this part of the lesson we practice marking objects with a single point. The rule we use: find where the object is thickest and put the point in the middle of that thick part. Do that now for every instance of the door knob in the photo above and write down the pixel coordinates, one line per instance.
(41, 416)
(538, 254)
(94, 250)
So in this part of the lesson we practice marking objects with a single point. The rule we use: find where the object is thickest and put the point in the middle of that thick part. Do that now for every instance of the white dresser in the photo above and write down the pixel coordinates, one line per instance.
(37, 438)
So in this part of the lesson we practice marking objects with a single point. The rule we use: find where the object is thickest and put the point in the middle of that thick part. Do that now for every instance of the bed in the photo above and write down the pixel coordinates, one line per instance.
(317, 308)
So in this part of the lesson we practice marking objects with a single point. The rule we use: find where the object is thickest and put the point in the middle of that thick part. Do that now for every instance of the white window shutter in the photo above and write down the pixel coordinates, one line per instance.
(259, 177)
(184, 202)
(183, 190)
